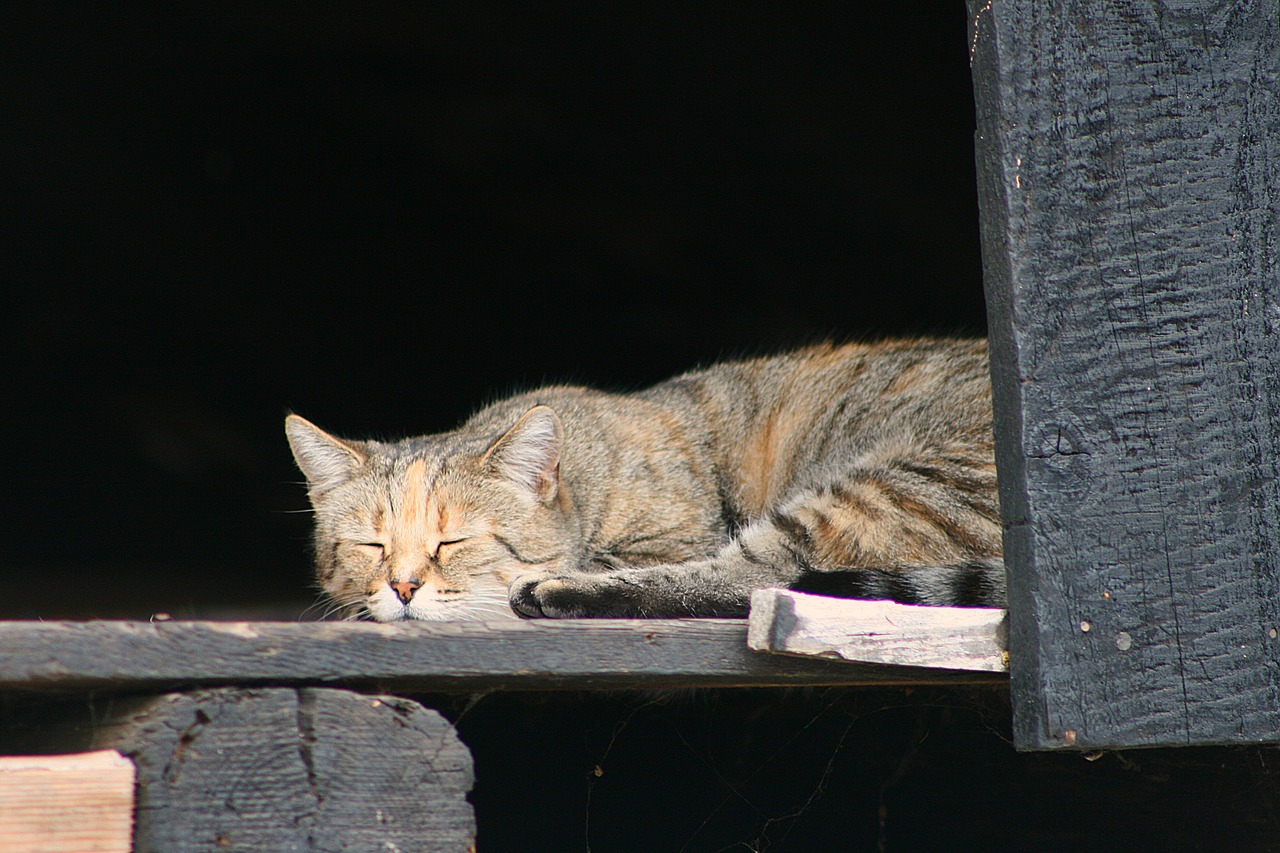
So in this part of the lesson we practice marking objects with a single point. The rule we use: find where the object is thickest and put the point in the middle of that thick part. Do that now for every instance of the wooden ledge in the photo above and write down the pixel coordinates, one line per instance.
(570, 654)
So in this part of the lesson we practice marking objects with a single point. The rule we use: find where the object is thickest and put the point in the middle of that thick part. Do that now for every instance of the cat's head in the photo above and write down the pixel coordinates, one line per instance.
(435, 527)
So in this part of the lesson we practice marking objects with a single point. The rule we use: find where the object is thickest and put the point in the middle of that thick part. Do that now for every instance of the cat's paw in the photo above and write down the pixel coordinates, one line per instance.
(554, 596)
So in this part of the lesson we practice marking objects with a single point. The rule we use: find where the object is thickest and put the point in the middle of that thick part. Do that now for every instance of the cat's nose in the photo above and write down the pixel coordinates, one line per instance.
(405, 590)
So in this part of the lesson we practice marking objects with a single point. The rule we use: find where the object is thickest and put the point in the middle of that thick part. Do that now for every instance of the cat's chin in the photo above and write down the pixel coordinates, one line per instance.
(388, 608)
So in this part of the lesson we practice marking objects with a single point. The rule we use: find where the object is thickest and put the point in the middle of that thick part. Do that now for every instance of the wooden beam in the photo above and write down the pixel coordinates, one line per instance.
(284, 769)
(538, 654)
(1129, 181)
(883, 632)
(66, 803)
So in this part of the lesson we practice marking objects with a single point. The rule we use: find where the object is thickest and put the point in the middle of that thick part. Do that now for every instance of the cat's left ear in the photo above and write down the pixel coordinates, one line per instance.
(326, 460)
(529, 452)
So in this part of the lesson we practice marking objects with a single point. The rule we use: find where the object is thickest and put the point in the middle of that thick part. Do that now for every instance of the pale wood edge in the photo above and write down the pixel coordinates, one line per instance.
(878, 632)
(99, 760)
(53, 803)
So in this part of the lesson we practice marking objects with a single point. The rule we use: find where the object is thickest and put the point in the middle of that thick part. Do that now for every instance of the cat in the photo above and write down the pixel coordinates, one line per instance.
(862, 470)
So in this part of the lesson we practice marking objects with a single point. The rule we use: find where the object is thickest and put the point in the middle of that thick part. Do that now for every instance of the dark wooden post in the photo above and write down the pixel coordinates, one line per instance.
(283, 769)
(1129, 178)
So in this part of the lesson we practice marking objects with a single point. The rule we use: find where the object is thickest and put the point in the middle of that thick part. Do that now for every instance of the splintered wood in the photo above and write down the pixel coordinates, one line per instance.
(966, 638)
(65, 803)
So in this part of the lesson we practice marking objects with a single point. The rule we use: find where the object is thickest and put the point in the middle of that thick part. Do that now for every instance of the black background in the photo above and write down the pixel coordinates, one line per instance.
(383, 215)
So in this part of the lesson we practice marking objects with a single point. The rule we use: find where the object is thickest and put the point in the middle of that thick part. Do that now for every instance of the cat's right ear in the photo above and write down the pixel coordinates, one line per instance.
(327, 461)
(529, 452)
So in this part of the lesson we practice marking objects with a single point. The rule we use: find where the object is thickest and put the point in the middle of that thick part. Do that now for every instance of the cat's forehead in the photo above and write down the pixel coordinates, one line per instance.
(406, 481)
(432, 450)
(415, 457)
(410, 473)
(415, 466)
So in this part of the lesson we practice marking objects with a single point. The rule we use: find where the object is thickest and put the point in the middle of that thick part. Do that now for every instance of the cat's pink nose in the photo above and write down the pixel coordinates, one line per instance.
(405, 590)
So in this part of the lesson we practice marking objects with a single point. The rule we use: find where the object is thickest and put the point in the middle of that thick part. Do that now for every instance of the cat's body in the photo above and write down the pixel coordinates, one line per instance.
(861, 470)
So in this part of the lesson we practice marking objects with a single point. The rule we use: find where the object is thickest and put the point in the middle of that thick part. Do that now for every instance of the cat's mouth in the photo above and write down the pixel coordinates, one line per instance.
(387, 606)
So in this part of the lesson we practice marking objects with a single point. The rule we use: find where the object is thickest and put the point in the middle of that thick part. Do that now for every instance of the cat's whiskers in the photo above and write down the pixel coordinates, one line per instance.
(345, 608)
(343, 613)
(497, 597)
(323, 606)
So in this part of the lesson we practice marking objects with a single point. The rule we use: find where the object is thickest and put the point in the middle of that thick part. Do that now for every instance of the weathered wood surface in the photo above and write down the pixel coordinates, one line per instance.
(795, 623)
(284, 770)
(424, 656)
(66, 803)
(1129, 178)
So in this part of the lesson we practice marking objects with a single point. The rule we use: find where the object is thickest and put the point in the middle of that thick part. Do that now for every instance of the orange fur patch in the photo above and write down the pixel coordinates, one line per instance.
(757, 466)
(418, 523)
(413, 493)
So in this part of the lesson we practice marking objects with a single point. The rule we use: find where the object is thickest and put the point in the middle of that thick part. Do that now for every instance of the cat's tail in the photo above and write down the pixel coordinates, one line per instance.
(977, 583)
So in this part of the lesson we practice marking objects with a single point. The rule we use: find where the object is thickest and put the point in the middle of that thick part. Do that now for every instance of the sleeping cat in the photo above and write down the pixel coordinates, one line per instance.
(864, 470)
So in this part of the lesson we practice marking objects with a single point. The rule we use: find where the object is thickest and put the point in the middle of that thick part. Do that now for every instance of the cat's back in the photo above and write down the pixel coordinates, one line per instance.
(777, 423)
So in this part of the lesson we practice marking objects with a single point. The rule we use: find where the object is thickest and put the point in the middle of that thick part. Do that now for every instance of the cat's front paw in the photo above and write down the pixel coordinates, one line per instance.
(554, 596)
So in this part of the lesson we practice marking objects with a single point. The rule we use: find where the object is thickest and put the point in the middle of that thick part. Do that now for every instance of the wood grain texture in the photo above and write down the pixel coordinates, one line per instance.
(292, 770)
(420, 656)
(1129, 177)
(883, 632)
(66, 803)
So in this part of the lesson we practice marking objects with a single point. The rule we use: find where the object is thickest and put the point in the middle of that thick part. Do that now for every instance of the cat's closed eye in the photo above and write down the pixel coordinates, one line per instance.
(449, 543)
(376, 550)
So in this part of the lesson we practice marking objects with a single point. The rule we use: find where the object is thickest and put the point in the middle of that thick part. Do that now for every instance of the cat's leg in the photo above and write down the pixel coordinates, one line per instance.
(716, 586)
(916, 533)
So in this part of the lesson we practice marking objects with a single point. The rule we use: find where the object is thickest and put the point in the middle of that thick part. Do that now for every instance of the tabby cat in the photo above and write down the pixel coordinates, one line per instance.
(863, 470)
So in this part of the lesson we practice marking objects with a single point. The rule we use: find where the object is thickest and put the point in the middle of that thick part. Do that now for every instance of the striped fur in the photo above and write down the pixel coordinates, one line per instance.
(864, 470)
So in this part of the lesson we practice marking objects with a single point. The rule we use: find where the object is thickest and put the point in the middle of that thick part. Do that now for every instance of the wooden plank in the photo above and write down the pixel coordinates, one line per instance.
(66, 803)
(538, 654)
(1129, 180)
(291, 770)
(882, 632)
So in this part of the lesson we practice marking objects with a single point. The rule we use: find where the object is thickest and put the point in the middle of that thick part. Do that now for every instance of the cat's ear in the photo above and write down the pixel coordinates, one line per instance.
(326, 460)
(529, 452)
